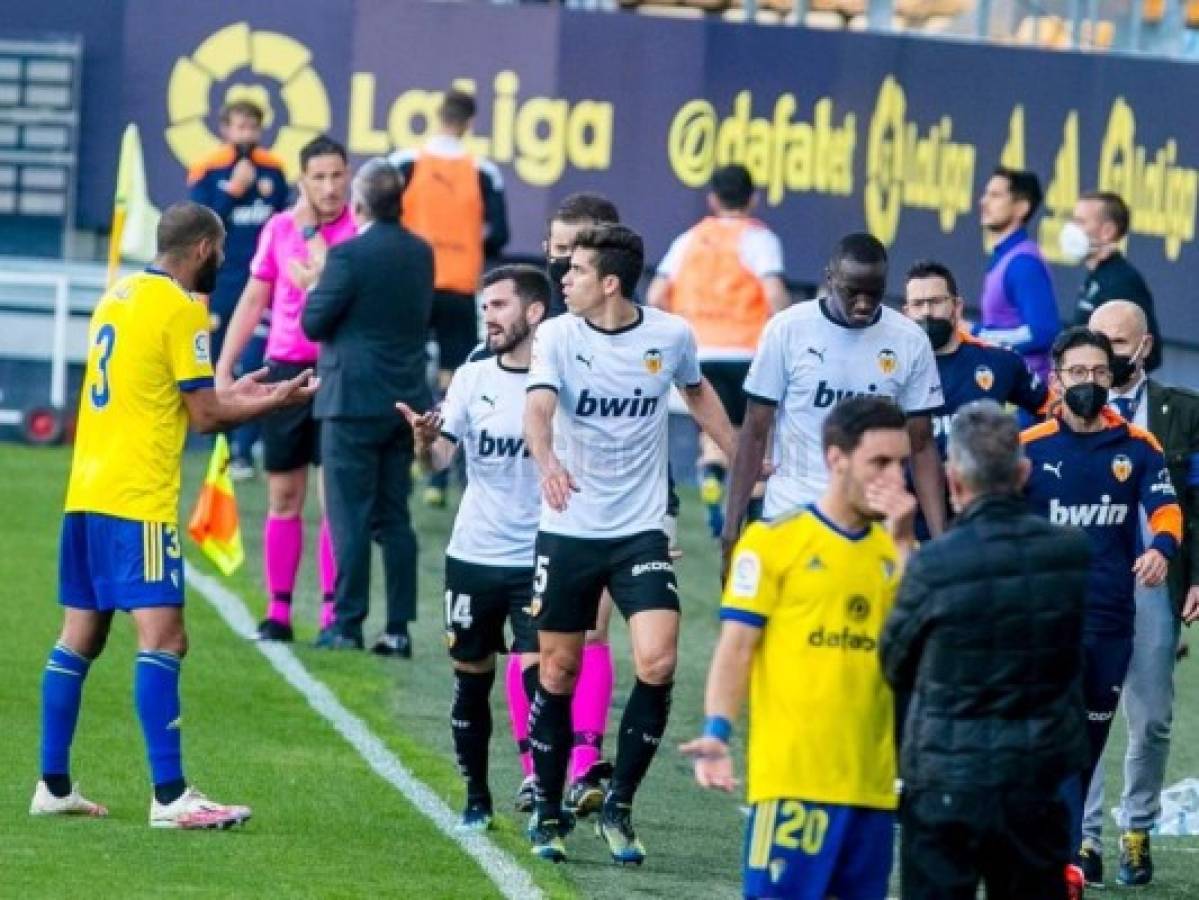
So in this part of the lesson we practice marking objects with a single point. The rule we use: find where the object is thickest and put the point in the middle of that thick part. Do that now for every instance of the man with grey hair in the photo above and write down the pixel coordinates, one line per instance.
(1172, 416)
(369, 311)
(986, 638)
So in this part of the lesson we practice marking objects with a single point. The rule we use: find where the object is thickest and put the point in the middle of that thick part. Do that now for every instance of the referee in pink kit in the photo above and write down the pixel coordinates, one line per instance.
(290, 256)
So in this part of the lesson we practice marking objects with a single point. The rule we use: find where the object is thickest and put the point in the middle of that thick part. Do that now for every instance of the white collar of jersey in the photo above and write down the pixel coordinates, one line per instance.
(823, 301)
(445, 145)
(623, 328)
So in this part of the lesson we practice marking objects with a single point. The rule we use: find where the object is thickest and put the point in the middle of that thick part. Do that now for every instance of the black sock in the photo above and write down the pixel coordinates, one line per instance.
(713, 470)
(282, 597)
(754, 509)
(531, 679)
(470, 721)
(58, 785)
(169, 791)
(550, 737)
(641, 730)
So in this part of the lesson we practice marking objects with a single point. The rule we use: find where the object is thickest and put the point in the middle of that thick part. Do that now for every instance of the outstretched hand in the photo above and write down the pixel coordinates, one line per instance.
(292, 392)
(426, 427)
(713, 763)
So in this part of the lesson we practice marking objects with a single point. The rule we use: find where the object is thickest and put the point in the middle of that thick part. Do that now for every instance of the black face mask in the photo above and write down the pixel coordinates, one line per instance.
(1123, 368)
(939, 330)
(206, 277)
(243, 151)
(1086, 400)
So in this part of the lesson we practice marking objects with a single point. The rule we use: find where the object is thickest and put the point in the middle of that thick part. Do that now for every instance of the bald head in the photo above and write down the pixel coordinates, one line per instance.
(1125, 325)
(184, 225)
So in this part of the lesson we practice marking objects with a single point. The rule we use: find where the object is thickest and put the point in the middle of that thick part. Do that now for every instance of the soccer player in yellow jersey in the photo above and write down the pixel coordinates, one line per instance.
(148, 374)
(802, 614)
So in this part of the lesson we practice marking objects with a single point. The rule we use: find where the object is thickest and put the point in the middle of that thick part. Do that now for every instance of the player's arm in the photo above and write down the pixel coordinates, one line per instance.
(658, 294)
(711, 416)
(777, 294)
(905, 631)
(746, 469)
(246, 316)
(212, 409)
(1160, 503)
(434, 450)
(928, 475)
(728, 682)
(557, 484)
(495, 210)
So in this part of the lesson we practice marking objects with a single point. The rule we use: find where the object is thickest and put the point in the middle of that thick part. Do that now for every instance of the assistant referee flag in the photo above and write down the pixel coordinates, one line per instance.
(214, 523)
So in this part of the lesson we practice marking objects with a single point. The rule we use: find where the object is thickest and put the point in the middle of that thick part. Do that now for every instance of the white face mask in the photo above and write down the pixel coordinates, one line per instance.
(1073, 242)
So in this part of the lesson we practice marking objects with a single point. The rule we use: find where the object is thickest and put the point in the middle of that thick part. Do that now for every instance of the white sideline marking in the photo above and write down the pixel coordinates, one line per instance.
(513, 881)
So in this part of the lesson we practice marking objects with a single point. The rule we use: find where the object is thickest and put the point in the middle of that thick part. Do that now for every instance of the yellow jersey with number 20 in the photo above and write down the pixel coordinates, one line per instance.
(821, 717)
(147, 345)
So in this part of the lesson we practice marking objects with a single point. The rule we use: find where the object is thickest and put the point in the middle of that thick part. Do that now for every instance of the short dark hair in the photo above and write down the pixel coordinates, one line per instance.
(733, 186)
(531, 283)
(930, 268)
(1023, 186)
(618, 251)
(184, 225)
(853, 417)
(859, 247)
(1080, 336)
(585, 206)
(984, 447)
(457, 107)
(1113, 208)
(247, 108)
(378, 187)
(321, 145)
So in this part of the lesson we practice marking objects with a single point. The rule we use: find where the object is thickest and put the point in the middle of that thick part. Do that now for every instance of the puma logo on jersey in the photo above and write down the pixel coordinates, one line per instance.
(819, 354)
(490, 401)
(636, 406)
(1056, 470)
(510, 447)
(827, 395)
(1087, 514)
(585, 360)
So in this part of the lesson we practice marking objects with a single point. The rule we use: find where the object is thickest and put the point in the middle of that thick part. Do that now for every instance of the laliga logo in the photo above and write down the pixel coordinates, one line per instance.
(236, 63)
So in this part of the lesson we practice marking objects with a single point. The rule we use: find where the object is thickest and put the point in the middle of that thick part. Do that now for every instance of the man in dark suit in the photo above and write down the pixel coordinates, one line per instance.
(370, 312)
(1172, 416)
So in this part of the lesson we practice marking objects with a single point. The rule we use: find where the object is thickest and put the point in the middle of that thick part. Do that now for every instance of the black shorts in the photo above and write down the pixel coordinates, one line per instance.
(571, 574)
(290, 436)
(727, 378)
(478, 600)
(455, 327)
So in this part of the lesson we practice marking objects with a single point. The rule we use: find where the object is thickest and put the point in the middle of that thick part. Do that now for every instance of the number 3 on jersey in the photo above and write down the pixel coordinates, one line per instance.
(106, 341)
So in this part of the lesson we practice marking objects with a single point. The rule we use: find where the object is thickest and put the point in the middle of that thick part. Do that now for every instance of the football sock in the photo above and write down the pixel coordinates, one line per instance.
(713, 470)
(62, 693)
(641, 730)
(326, 562)
(518, 711)
(531, 679)
(282, 544)
(156, 695)
(549, 735)
(589, 708)
(470, 721)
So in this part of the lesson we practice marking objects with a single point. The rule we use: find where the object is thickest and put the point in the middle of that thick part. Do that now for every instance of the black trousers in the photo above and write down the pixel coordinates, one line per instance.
(1017, 844)
(367, 467)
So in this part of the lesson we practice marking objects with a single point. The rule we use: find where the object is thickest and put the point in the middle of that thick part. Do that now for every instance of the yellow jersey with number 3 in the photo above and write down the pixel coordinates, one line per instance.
(147, 345)
(821, 717)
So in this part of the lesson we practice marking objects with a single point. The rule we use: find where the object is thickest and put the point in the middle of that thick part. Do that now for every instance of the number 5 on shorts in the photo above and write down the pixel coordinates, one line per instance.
(457, 610)
(541, 575)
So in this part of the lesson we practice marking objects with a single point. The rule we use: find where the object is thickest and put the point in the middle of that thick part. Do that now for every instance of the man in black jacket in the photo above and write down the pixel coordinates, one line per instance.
(1171, 415)
(986, 636)
(369, 312)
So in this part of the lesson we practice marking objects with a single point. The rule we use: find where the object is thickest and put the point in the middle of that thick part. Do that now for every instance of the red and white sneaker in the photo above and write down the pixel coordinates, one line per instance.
(194, 810)
(45, 803)
(1075, 882)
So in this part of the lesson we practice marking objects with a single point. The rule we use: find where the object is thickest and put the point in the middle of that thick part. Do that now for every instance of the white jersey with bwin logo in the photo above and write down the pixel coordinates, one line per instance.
(484, 413)
(807, 362)
(610, 427)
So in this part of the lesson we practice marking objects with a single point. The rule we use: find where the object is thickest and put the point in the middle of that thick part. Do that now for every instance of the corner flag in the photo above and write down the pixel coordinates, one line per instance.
(214, 524)
(134, 218)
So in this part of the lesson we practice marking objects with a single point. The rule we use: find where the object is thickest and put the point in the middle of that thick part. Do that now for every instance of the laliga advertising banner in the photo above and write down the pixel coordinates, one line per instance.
(841, 131)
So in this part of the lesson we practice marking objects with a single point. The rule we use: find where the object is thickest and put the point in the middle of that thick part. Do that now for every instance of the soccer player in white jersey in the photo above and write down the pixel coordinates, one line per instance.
(595, 422)
(842, 344)
(489, 561)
